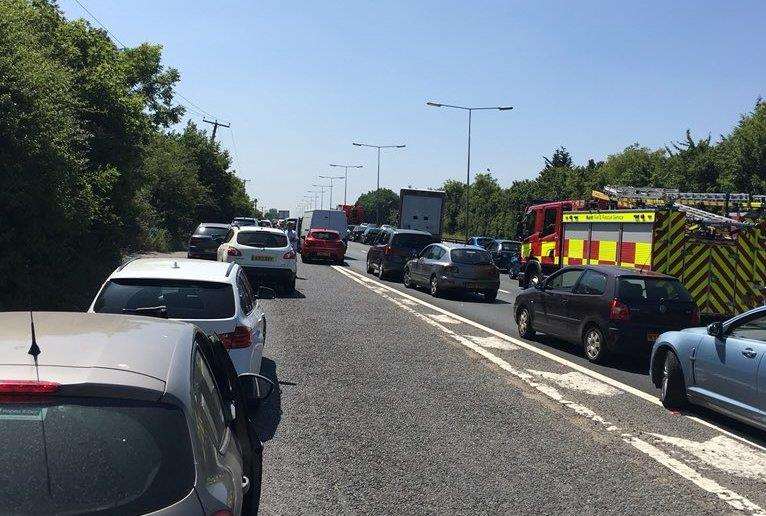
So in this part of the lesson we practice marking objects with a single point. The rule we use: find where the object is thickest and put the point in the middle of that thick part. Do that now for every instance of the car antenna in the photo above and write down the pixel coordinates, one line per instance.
(34, 349)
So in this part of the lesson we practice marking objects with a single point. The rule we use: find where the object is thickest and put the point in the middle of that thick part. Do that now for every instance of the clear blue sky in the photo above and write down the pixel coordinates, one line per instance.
(300, 80)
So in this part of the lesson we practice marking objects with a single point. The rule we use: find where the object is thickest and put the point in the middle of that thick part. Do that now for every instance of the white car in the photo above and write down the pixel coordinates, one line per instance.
(215, 296)
(264, 253)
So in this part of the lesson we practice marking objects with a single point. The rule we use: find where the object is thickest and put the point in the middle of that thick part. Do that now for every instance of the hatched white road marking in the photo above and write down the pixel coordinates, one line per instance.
(441, 318)
(551, 356)
(490, 342)
(577, 381)
(735, 500)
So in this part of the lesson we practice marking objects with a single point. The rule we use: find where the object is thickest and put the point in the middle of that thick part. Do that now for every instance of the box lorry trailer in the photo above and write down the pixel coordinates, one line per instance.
(422, 210)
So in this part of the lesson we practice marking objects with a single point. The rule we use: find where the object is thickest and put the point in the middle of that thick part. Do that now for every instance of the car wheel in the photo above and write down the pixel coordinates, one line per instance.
(435, 289)
(407, 279)
(490, 296)
(381, 273)
(524, 323)
(369, 267)
(594, 344)
(673, 393)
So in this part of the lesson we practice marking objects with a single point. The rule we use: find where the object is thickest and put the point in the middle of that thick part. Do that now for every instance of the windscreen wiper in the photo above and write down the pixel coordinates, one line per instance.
(151, 311)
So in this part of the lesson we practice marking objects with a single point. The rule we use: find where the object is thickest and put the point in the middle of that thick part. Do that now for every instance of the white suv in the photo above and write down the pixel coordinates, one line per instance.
(214, 296)
(264, 253)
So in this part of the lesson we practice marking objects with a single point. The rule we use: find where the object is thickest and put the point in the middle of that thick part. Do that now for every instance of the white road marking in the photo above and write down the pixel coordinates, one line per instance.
(572, 365)
(577, 381)
(504, 291)
(491, 342)
(732, 498)
(725, 454)
(441, 317)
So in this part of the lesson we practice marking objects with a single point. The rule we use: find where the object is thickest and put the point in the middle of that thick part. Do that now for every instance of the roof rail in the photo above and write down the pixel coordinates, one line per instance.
(231, 266)
(126, 262)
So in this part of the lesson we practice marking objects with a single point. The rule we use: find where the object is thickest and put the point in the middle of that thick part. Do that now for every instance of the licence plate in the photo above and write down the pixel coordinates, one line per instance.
(652, 336)
(474, 285)
(257, 258)
(324, 253)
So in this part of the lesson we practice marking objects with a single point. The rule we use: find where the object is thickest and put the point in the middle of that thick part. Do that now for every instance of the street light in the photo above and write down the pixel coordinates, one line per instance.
(468, 167)
(345, 185)
(321, 205)
(331, 178)
(314, 197)
(377, 190)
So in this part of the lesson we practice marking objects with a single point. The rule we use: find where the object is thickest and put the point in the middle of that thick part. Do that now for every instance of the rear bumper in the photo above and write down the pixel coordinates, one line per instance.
(326, 254)
(269, 274)
(471, 285)
(631, 340)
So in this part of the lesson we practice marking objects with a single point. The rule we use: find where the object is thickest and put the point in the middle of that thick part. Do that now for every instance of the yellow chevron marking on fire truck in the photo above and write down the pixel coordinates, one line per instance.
(609, 216)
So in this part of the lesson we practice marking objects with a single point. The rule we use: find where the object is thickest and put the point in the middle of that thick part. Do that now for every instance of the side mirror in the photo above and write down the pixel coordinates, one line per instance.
(255, 387)
(540, 286)
(266, 293)
(715, 329)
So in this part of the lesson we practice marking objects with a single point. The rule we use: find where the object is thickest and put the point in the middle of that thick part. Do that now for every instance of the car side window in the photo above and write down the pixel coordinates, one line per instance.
(564, 281)
(425, 253)
(754, 329)
(245, 295)
(208, 404)
(439, 253)
(592, 283)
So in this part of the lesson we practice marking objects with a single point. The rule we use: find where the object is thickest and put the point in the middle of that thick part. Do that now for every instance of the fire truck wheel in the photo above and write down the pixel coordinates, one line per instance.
(594, 344)
(524, 322)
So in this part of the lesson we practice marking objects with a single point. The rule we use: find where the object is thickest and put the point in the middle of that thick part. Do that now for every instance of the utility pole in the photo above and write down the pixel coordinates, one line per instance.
(322, 187)
(215, 127)
(331, 178)
(377, 190)
(345, 184)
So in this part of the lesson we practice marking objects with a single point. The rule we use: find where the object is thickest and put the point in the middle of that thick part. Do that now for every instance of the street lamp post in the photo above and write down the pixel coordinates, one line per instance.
(322, 187)
(331, 178)
(468, 166)
(314, 197)
(345, 184)
(377, 189)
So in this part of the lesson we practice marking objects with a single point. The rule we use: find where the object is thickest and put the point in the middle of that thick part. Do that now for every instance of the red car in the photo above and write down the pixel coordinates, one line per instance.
(324, 244)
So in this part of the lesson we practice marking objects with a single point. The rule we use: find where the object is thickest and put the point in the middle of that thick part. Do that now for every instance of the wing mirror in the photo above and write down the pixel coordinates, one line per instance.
(266, 293)
(255, 387)
(715, 329)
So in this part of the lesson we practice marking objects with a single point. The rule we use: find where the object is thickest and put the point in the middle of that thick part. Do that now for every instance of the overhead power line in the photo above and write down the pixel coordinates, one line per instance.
(111, 34)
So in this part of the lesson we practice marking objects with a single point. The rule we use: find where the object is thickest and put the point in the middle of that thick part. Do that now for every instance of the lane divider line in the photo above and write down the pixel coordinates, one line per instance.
(733, 499)
(551, 356)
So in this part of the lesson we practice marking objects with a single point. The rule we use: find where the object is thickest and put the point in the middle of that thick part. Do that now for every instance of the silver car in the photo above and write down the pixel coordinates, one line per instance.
(112, 414)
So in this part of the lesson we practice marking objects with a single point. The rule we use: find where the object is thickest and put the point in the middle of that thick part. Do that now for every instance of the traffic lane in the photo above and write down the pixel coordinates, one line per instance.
(382, 412)
(629, 369)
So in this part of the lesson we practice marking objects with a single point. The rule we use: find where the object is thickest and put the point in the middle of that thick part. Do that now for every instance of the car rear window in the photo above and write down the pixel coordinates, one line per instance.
(509, 246)
(211, 231)
(324, 235)
(95, 456)
(470, 256)
(262, 239)
(411, 240)
(181, 299)
(640, 290)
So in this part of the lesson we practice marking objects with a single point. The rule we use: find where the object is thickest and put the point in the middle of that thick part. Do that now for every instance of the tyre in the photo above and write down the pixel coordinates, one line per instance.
(407, 279)
(381, 272)
(673, 389)
(524, 323)
(436, 291)
(594, 344)
(369, 267)
(534, 277)
(490, 296)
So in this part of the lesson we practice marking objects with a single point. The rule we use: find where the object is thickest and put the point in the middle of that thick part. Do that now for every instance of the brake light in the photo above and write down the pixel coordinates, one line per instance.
(27, 387)
(239, 338)
(289, 255)
(223, 512)
(695, 317)
(233, 251)
(619, 311)
(388, 250)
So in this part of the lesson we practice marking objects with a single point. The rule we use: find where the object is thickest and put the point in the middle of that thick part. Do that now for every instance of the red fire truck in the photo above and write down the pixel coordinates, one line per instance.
(354, 213)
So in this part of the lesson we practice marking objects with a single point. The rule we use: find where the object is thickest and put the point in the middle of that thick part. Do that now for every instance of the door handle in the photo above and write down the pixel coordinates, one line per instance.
(749, 353)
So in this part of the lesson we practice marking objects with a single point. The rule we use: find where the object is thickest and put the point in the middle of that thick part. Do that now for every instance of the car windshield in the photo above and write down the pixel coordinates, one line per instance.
(262, 239)
(411, 240)
(470, 256)
(639, 290)
(95, 456)
(509, 246)
(324, 235)
(179, 299)
(211, 231)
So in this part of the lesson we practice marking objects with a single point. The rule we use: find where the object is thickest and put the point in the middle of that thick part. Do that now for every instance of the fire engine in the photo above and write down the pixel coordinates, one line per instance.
(720, 259)
(354, 213)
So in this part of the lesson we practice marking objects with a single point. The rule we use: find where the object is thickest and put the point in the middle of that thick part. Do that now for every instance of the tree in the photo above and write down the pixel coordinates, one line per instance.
(389, 206)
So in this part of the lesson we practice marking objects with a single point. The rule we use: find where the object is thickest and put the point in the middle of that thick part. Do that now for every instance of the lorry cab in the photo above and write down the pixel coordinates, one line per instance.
(542, 239)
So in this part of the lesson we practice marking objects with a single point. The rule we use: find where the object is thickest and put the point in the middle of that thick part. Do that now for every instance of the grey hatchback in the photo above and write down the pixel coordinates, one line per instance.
(113, 414)
(449, 267)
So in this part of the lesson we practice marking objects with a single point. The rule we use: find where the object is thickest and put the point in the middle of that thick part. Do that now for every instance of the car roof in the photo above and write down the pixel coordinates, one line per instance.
(615, 270)
(263, 229)
(409, 232)
(177, 269)
(214, 225)
(100, 349)
(456, 245)
(328, 230)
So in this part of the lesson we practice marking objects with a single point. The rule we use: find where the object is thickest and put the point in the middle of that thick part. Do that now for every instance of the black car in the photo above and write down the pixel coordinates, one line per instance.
(503, 252)
(370, 235)
(356, 234)
(206, 239)
(393, 248)
(605, 308)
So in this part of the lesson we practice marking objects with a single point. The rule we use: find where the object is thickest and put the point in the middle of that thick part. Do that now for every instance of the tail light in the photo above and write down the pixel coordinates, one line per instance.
(27, 387)
(239, 338)
(695, 317)
(223, 512)
(452, 269)
(233, 251)
(289, 255)
(388, 250)
(619, 311)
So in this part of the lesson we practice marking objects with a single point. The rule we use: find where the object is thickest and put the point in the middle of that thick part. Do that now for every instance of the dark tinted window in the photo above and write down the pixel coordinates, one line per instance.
(412, 241)
(484, 242)
(324, 235)
(245, 296)
(651, 289)
(470, 256)
(182, 299)
(549, 223)
(593, 283)
(95, 456)
(529, 223)
(509, 246)
(754, 329)
(564, 280)
(211, 231)
(262, 239)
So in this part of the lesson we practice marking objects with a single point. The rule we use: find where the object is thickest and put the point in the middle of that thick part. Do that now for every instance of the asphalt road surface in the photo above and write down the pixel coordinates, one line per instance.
(391, 401)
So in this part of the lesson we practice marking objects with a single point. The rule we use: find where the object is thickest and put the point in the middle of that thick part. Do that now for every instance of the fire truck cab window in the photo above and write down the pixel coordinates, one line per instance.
(529, 223)
(549, 223)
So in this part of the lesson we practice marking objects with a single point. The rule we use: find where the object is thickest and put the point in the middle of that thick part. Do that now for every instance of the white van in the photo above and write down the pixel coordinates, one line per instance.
(327, 219)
